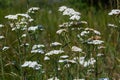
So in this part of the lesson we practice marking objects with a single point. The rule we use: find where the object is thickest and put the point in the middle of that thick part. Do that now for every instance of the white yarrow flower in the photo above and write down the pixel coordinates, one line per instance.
(112, 25)
(95, 42)
(96, 32)
(13, 17)
(114, 12)
(54, 52)
(38, 49)
(66, 60)
(64, 56)
(61, 30)
(83, 33)
(66, 24)
(31, 64)
(100, 54)
(82, 61)
(84, 22)
(33, 9)
(75, 17)
(62, 8)
(23, 15)
(68, 11)
(38, 46)
(5, 48)
(30, 20)
(24, 35)
(55, 44)
(26, 63)
(46, 58)
(25, 44)
(2, 37)
(32, 28)
(1, 25)
(76, 49)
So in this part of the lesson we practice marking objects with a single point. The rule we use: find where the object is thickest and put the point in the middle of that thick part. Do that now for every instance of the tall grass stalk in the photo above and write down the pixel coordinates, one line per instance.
(2, 67)
(20, 56)
(96, 63)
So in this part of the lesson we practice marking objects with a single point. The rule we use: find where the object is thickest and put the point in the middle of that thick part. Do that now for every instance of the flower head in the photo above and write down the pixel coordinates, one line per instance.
(95, 42)
(12, 17)
(85, 63)
(64, 56)
(76, 49)
(114, 12)
(2, 37)
(67, 61)
(60, 31)
(38, 46)
(62, 8)
(1, 25)
(38, 49)
(33, 9)
(54, 52)
(55, 44)
(31, 64)
(112, 25)
(5, 48)
(74, 15)
(46, 58)
(34, 28)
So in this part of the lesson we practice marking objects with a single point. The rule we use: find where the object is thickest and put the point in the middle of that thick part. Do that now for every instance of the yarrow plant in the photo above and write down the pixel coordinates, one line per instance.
(114, 29)
(88, 38)
(115, 14)
(20, 25)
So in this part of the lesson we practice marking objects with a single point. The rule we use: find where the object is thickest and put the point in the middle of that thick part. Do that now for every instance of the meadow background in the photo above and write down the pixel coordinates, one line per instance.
(48, 18)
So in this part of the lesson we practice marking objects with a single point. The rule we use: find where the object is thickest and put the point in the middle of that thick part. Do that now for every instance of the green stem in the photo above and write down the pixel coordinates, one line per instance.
(96, 64)
(20, 54)
(118, 41)
(2, 69)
